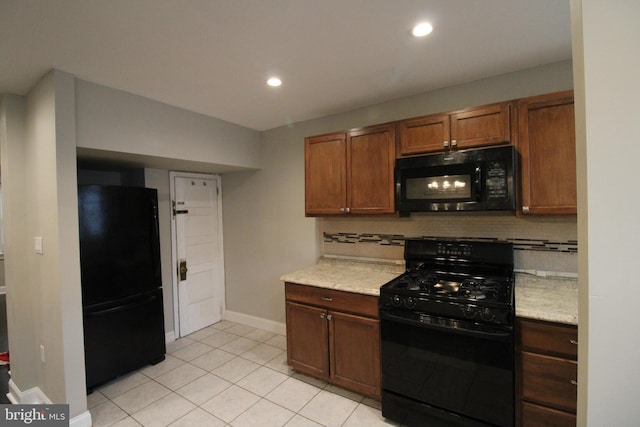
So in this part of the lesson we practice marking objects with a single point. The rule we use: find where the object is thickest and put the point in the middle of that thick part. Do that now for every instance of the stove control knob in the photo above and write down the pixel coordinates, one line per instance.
(410, 302)
(396, 301)
(469, 311)
(487, 314)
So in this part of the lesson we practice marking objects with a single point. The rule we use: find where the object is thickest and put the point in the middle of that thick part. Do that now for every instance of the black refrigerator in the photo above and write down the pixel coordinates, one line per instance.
(121, 280)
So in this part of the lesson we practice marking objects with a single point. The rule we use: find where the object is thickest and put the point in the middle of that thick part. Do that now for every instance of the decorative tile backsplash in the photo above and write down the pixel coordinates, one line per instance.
(547, 244)
(570, 246)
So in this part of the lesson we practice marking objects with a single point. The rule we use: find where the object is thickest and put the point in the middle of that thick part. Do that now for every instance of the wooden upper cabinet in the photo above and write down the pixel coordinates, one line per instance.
(547, 148)
(424, 134)
(481, 126)
(325, 174)
(370, 161)
(351, 173)
(468, 128)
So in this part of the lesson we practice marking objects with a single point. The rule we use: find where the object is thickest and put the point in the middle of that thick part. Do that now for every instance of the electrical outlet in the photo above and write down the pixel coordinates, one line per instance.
(42, 358)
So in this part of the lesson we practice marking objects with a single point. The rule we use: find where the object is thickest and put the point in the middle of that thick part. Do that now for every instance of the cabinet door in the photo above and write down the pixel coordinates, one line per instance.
(355, 353)
(307, 339)
(481, 126)
(370, 162)
(325, 174)
(426, 134)
(546, 143)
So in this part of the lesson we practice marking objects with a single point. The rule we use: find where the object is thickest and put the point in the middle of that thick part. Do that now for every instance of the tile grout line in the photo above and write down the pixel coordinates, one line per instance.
(290, 374)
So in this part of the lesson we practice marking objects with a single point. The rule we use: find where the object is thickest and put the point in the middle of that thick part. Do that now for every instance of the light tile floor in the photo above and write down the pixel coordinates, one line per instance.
(228, 375)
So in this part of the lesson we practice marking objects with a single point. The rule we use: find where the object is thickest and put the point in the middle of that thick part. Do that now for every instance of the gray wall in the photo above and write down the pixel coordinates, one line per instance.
(264, 222)
(113, 121)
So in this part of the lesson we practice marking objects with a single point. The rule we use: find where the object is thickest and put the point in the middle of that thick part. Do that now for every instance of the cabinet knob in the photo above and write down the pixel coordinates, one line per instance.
(329, 317)
(525, 209)
(348, 210)
(322, 315)
(342, 210)
(574, 382)
(454, 143)
(574, 342)
(445, 144)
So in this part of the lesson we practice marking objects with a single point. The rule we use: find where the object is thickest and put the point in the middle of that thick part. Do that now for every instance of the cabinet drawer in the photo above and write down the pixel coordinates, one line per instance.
(538, 416)
(549, 381)
(549, 338)
(349, 302)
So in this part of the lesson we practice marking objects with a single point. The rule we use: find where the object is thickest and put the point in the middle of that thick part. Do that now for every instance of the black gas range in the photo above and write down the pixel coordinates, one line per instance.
(447, 335)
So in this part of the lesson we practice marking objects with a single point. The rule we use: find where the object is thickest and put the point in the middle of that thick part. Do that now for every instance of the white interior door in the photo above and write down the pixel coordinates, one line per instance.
(198, 260)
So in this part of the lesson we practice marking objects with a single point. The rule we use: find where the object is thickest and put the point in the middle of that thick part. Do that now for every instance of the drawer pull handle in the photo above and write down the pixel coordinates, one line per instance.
(327, 299)
(574, 382)
(574, 342)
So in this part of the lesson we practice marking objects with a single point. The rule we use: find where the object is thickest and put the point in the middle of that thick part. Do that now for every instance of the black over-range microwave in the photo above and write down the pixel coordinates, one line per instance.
(469, 180)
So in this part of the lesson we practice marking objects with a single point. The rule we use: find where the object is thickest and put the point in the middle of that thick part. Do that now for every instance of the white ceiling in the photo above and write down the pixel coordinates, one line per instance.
(213, 56)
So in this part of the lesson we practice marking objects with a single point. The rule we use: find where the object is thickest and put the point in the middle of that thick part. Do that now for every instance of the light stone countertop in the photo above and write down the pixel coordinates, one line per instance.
(554, 299)
(359, 275)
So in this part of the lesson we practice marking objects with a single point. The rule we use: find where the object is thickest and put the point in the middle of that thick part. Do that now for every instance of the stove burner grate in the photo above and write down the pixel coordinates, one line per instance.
(430, 283)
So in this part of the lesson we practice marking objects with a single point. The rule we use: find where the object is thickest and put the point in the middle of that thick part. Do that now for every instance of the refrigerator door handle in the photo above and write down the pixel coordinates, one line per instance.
(119, 308)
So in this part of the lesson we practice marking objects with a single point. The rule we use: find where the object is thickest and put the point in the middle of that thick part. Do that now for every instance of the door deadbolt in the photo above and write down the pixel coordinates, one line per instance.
(182, 270)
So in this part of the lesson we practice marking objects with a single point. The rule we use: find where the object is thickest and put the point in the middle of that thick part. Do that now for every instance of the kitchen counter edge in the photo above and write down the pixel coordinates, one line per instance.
(552, 299)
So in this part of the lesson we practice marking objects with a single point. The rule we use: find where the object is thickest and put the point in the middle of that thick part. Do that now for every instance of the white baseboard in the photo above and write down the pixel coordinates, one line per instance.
(169, 337)
(82, 420)
(256, 322)
(35, 396)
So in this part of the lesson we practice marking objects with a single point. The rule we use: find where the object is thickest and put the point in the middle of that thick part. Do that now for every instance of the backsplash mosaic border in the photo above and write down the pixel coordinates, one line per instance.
(543, 245)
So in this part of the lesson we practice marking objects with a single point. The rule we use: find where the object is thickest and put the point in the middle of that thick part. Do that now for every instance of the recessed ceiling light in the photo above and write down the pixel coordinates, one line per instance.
(274, 81)
(422, 29)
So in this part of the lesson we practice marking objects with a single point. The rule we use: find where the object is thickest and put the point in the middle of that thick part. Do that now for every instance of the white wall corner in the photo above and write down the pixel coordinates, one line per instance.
(169, 337)
(256, 322)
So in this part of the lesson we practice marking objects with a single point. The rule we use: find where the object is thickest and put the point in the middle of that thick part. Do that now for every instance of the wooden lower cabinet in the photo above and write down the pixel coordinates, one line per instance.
(547, 373)
(333, 338)
(536, 416)
(307, 329)
(354, 349)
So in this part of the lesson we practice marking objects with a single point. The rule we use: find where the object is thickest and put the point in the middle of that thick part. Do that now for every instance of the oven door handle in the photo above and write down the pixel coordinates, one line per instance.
(463, 328)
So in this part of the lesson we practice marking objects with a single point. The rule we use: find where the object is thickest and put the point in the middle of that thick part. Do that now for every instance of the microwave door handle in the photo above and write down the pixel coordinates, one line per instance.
(478, 181)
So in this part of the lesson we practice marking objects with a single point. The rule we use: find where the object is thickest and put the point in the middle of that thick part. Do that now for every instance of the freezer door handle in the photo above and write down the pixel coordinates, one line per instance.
(119, 308)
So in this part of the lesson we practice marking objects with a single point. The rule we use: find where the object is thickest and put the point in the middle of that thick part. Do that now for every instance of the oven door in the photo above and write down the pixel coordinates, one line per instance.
(442, 372)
